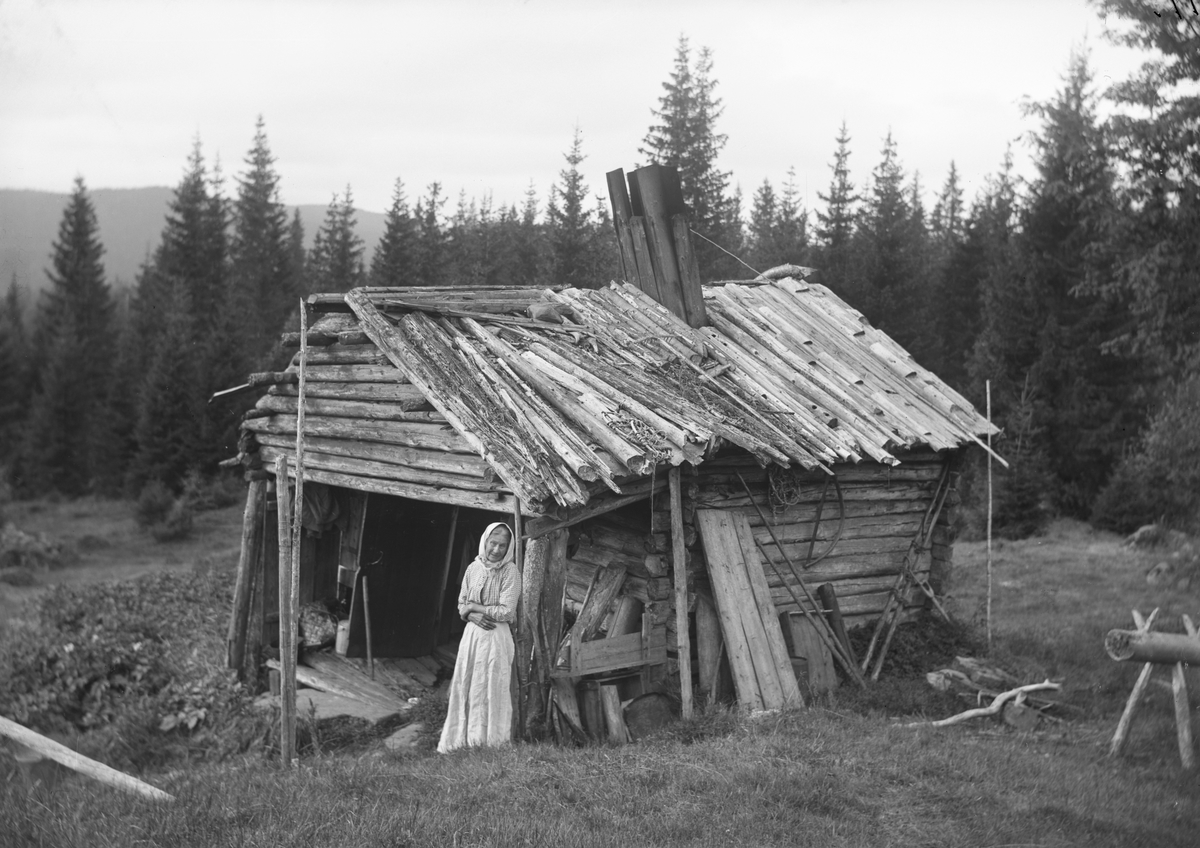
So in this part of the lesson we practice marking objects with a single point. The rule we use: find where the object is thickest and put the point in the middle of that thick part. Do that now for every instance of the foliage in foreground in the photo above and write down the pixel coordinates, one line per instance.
(137, 664)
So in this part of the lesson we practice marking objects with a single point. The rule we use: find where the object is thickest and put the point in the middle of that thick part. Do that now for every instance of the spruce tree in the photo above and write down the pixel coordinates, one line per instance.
(429, 265)
(530, 259)
(264, 279)
(335, 263)
(791, 224)
(887, 254)
(463, 248)
(570, 225)
(66, 431)
(684, 137)
(168, 431)
(835, 226)
(1156, 237)
(1092, 404)
(394, 257)
(762, 250)
(14, 372)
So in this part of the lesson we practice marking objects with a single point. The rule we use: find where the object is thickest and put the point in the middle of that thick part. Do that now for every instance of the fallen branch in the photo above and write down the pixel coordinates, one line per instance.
(997, 705)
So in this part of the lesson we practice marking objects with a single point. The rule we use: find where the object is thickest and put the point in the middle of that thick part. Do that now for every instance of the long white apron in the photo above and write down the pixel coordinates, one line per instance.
(480, 709)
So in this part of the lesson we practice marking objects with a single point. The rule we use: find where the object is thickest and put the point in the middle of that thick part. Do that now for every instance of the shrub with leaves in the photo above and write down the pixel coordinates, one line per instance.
(145, 654)
(153, 504)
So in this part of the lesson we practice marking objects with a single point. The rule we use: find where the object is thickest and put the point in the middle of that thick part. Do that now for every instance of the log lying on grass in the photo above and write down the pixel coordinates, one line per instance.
(65, 756)
(1151, 647)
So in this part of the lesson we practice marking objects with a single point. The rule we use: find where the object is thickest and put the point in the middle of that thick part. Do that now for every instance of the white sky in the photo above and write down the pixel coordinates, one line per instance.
(484, 96)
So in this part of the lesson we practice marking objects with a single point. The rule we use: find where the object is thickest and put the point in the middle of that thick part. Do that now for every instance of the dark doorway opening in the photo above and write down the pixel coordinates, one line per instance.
(413, 569)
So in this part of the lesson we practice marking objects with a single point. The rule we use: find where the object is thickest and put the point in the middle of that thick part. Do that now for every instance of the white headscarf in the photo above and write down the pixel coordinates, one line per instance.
(508, 554)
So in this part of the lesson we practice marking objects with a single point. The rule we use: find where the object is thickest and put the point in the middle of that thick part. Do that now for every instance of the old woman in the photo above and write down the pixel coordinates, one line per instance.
(480, 709)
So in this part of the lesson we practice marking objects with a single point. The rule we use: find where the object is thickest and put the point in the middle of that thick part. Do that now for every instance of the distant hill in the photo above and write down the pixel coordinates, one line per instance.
(131, 222)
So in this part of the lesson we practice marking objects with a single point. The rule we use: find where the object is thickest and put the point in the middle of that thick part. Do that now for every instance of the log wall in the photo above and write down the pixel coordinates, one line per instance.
(881, 512)
(367, 428)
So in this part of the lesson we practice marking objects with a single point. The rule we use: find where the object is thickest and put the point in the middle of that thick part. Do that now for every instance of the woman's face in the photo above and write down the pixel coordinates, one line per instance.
(497, 544)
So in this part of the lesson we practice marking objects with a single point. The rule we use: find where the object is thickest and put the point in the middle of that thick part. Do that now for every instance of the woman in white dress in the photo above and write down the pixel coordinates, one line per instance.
(480, 709)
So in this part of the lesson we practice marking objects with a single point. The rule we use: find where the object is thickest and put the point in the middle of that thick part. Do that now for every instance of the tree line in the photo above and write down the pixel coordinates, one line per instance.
(1072, 296)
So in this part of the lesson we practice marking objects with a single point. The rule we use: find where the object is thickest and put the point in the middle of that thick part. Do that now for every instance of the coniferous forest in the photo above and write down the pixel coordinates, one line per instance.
(1074, 295)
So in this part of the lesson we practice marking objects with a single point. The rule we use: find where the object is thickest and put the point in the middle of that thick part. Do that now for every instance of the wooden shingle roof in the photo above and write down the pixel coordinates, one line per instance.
(554, 412)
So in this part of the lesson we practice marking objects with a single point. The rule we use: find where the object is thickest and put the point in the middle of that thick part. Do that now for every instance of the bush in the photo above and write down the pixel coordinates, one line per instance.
(1161, 481)
(139, 664)
(204, 493)
(168, 518)
(177, 525)
(154, 504)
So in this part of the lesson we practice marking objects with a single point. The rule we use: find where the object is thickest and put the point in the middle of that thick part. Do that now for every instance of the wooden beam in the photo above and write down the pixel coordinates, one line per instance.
(287, 613)
(63, 755)
(679, 554)
(248, 560)
(597, 506)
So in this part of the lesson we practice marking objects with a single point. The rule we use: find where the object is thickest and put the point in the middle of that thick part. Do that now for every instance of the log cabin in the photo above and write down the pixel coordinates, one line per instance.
(684, 473)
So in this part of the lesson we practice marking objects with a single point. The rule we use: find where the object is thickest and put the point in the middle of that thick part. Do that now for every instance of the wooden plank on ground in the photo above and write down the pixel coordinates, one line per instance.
(767, 612)
(720, 548)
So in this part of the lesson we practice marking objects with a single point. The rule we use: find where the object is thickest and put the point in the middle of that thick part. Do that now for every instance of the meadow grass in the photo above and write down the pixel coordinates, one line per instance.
(845, 775)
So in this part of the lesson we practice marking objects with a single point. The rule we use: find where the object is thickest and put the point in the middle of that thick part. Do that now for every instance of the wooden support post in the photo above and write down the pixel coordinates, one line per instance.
(614, 715)
(520, 672)
(287, 618)
(1183, 713)
(1139, 690)
(679, 554)
(248, 563)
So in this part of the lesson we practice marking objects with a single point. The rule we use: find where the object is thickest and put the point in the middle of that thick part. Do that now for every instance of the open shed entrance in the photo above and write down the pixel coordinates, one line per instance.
(413, 555)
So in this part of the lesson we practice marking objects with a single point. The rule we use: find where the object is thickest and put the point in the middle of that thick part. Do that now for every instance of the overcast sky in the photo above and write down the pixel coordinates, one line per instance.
(484, 96)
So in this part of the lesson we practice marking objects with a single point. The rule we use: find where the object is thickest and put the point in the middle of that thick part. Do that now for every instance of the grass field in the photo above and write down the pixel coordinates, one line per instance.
(846, 775)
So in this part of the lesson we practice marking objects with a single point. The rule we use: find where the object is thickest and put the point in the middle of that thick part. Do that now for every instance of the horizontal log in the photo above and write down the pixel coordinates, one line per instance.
(412, 434)
(342, 354)
(316, 338)
(605, 558)
(369, 392)
(1152, 647)
(407, 400)
(498, 502)
(596, 506)
(352, 373)
(427, 460)
(382, 470)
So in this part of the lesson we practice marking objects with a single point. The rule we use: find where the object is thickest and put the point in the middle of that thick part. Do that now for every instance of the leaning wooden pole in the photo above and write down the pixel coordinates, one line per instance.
(63, 755)
(679, 554)
(287, 622)
(989, 518)
(248, 565)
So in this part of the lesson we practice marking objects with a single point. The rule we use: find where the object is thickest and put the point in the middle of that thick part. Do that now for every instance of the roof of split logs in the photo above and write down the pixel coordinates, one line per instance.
(609, 388)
